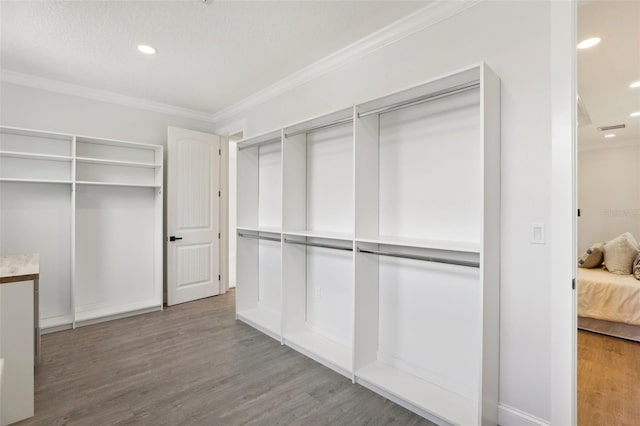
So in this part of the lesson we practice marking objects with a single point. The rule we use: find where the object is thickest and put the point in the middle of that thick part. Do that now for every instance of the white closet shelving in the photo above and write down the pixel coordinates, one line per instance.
(259, 303)
(318, 223)
(92, 209)
(386, 254)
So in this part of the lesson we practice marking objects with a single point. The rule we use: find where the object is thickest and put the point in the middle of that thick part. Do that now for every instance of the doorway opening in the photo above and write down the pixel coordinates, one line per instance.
(608, 195)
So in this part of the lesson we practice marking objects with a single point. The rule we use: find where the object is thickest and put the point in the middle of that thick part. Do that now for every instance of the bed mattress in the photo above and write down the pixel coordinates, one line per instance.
(606, 296)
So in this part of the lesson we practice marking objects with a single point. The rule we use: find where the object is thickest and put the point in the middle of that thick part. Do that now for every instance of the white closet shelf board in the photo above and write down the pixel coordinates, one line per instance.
(34, 133)
(269, 229)
(133, 185)
(93, 314)
(462, 246)
(421, 394)
(462, 78)
(116, 143)
(99, 161)
(323, 121)
(35, 156)
(255, 141)
(327, 352)
(35, 180)
(265, 320)
(343, 236)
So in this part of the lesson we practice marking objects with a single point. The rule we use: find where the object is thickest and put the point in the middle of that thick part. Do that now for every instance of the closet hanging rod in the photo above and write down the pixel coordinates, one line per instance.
(427, 98)
(267, 142)
(258, 237)
(425, 258)
(329, 246)
(321, 126)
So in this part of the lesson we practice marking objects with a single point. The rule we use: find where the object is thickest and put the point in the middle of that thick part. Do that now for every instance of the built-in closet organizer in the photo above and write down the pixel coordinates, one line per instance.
(390, 244)
(318, 285)
(259, 251)
(92, 209)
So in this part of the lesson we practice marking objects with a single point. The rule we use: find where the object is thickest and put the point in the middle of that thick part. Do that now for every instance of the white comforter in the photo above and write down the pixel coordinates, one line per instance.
(607, 296)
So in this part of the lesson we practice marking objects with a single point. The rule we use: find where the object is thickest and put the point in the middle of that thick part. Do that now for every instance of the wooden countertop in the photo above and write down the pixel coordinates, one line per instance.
(19, 268)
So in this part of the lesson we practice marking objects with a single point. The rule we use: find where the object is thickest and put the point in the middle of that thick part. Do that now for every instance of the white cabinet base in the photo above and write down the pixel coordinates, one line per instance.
(17, 349)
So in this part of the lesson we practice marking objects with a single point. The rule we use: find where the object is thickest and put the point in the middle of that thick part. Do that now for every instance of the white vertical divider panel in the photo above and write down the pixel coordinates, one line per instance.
(158, 233)
(73, 233)
(490, 246)
(366, 160)
(294, 265)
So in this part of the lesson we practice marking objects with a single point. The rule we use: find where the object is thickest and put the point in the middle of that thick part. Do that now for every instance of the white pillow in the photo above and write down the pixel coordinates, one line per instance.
(620, 253)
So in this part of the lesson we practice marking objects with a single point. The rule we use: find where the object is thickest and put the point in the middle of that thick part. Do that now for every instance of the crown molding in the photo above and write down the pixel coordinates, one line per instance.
(411, 24)
(28, 80)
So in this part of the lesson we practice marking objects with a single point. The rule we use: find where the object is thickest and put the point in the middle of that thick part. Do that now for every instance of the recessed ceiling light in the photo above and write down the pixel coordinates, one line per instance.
(146, 49)
(635, 114)
(610, 135)
(590, 42)
(635, 84)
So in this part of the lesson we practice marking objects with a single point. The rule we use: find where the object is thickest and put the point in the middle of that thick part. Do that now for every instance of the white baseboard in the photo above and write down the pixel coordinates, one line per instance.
(510, 416)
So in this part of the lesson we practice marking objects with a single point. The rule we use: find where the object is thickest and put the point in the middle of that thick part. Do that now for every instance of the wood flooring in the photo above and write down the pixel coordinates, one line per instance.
(194, 364)
(608, 381)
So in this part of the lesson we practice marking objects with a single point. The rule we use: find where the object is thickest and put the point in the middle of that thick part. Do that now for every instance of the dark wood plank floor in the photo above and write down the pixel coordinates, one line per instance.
(194, 364)
(608, 381)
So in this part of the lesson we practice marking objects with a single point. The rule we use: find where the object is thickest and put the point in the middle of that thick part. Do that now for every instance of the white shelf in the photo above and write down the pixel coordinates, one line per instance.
(343, 236)
(34, 156)
(34, 180)
(266, 320)
(269, 229)
(324, 350)
(460, 246)
(449, 406)
(93, 314)
(133, 185)
(115, 142)
(102, 161)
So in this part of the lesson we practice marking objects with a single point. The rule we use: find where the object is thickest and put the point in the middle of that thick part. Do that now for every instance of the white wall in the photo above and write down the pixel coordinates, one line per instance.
(608, 193)
(513, 38)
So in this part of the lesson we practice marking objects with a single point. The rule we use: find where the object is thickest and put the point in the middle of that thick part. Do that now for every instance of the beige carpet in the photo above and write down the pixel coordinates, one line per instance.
(614, 329)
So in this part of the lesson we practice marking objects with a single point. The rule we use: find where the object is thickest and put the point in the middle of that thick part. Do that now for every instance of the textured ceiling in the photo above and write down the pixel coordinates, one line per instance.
(606, 70)
(209, 55)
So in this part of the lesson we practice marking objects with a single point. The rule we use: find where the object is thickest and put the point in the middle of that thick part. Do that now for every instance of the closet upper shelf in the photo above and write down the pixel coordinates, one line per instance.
(35, 156)
(106, 162)
(321, 234)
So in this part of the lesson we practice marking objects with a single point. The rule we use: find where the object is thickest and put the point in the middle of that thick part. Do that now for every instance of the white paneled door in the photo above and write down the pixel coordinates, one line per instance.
(193, 203)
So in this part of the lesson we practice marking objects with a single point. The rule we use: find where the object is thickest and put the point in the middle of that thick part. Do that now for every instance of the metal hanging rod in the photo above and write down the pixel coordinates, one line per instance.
(267, 142)
(329, 246)
(321, 126)
(427, 98)
(425, 258)
(258, 237)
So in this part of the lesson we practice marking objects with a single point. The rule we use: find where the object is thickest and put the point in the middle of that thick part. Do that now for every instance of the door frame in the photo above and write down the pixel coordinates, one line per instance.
(563, 331)
(225, 132)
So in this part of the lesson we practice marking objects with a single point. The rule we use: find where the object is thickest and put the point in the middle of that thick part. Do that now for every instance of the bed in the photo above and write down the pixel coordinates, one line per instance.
(610, 297)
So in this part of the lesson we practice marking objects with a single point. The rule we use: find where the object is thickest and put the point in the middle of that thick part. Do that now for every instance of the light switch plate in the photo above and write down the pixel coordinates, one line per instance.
(537, 233)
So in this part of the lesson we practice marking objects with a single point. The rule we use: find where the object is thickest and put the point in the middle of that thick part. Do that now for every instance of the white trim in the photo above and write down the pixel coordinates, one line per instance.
(411, 24)
(13, 77)
(609, 145)
(233, 128)
(510, 416)
(563, 77)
